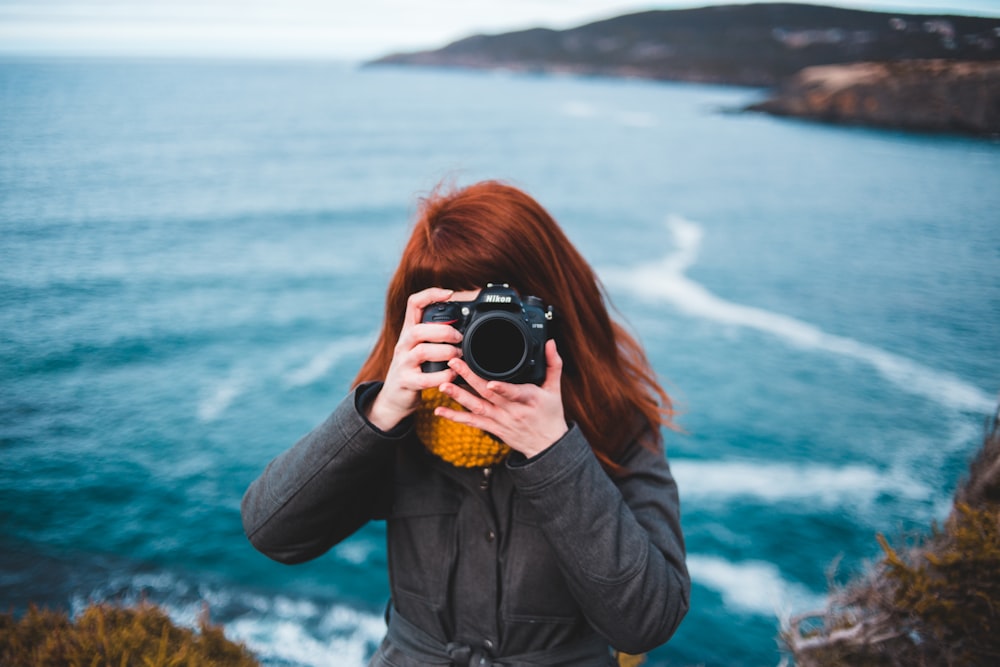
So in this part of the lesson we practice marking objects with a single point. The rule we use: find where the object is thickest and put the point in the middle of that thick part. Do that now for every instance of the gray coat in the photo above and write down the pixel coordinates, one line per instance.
(485, 564)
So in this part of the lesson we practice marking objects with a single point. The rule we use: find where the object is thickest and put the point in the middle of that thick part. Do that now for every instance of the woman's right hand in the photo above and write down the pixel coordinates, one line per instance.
(418, 342)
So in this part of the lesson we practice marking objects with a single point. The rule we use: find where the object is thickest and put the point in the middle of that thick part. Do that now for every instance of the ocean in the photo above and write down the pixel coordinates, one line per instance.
(193, 257)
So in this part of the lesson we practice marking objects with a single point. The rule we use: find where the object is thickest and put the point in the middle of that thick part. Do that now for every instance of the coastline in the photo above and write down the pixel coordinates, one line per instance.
(918, 95)
(920, 72)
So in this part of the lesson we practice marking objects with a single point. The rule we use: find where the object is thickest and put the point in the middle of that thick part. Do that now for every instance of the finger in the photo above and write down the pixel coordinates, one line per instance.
(416, 303)
(505, 391)
(436, 379)
(461, 417)
(476, 382)
(433, 352)
(413, 348)
(414, 335)
(554, 366)
(472, 403)
(435, 332)
(467, 418)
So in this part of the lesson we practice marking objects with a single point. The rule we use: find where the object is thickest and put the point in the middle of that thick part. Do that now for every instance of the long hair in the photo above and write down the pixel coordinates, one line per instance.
(493, 232)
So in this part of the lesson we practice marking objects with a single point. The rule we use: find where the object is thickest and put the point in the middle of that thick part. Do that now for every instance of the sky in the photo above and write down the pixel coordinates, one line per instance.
(338, 29)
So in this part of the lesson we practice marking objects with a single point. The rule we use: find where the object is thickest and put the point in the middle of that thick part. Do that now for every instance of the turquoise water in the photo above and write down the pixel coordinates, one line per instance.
(192, 262)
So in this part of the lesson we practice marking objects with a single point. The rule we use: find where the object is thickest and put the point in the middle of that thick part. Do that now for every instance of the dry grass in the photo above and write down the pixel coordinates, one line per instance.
(933, 602)
(106, 635)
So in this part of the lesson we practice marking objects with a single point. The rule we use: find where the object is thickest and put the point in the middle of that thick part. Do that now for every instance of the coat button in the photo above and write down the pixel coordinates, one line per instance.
(488, 645)
(490, 536)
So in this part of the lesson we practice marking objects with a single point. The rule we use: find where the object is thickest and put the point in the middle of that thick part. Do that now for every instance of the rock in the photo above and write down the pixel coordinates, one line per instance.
(923, 95)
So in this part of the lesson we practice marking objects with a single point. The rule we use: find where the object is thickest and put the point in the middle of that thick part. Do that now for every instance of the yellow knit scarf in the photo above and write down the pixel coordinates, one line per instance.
(458, 444)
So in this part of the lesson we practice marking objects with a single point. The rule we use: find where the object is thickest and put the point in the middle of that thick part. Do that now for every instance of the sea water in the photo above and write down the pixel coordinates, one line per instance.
(193, 257)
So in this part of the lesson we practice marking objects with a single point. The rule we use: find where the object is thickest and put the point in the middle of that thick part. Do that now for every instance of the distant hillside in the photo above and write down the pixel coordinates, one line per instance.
(754, 45)
(924, 95)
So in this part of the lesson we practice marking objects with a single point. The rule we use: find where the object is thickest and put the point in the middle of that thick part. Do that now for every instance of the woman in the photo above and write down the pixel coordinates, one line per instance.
(555, 533)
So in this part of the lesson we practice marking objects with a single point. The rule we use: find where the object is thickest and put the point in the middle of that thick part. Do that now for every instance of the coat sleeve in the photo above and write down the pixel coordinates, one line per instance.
(329, 484)
(618, 541)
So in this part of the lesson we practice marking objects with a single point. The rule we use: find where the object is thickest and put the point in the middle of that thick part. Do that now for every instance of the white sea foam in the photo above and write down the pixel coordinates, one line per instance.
(342, 636)
(829, 486)
(221, 396)
(754, 587)
(356, 551)
(578, 109)
(665, 281)
(280, 630)
(323, 361)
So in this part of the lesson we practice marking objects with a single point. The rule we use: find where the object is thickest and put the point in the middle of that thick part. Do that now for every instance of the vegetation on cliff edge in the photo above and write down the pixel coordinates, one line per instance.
(935, 601)
(107, 635)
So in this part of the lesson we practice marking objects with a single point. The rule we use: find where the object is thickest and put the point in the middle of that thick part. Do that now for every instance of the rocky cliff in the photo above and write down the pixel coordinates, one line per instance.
(923, 95)
(930, 72)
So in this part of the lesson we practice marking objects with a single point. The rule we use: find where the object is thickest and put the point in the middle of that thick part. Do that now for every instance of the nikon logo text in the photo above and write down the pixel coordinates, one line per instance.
(496, 298)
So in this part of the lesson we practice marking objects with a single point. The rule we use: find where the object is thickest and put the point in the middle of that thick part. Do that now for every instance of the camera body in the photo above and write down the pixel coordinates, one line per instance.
(503, 335)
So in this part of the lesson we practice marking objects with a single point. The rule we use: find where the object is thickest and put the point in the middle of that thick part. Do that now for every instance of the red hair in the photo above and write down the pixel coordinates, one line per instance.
(493, 232)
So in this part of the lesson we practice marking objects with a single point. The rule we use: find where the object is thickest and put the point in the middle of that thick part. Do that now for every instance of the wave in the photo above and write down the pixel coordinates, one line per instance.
(281, 631)
(239, 381)
(636, 119)
(279, 634)
(320, 364)
(823, 485)
(752, 587)
(222, 396)
(578, 109)
(665, 280)
(296, 631)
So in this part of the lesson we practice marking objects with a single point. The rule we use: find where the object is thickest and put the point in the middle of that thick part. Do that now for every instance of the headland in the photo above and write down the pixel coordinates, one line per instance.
(930, 60)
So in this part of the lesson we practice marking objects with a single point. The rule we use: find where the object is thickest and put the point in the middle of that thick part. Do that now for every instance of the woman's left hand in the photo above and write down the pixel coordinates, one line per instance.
(527, 417)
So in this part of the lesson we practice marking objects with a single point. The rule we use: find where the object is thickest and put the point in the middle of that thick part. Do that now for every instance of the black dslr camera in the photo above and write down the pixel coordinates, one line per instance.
(504, 337)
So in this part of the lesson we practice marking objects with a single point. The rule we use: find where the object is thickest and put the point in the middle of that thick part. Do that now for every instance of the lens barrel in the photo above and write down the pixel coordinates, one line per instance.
(496, 345)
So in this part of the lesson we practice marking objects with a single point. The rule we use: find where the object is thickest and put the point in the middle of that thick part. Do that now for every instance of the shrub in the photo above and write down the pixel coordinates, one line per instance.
(107, 635)
(935, 602)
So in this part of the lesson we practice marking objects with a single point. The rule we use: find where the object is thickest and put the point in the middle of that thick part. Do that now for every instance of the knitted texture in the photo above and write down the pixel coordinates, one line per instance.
(459, 444)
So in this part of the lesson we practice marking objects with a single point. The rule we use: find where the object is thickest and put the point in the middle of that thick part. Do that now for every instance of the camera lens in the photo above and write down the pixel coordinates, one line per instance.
(495, 346)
